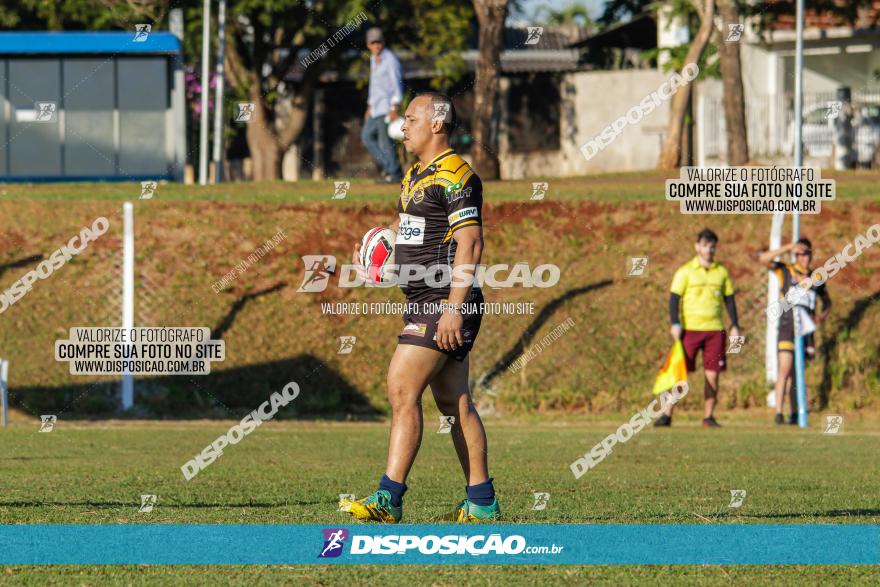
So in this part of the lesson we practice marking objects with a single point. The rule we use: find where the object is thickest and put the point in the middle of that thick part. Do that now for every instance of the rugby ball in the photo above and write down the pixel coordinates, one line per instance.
(377, 255)
(395, 129)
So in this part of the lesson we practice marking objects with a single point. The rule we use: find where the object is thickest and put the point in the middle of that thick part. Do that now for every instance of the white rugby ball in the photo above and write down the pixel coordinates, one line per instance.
(377, 255)
(395, 129)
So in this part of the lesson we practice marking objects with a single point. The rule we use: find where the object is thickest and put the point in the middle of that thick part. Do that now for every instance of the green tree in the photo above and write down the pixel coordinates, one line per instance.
(575, 13)
(671, 150)
(264, 40)
(491, 15)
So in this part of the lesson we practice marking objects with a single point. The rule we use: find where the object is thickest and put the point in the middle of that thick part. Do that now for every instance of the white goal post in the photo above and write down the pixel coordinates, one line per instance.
(772, 295)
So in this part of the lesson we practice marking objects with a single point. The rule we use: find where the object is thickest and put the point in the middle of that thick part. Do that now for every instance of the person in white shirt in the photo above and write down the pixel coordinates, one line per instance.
(385, 95)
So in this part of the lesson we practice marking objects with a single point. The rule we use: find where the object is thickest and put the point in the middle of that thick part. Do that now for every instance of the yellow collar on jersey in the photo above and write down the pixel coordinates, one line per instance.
(450, 169)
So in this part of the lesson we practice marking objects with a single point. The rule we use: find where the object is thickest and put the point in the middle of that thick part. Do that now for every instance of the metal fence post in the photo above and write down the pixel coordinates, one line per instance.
(4, 390)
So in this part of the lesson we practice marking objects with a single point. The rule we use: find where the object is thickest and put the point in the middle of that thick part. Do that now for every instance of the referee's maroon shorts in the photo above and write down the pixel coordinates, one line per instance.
(713, 343)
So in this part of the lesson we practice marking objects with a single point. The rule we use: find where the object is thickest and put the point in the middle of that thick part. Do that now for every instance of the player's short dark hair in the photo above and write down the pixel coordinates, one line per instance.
(806, 242)
(441, 98)
(707, 234)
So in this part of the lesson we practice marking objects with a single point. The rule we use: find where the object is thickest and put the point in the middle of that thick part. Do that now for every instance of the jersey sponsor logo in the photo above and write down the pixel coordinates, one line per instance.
(455, 196)
(414, 329)
(411, 230)
(453, 187)
(463, 214)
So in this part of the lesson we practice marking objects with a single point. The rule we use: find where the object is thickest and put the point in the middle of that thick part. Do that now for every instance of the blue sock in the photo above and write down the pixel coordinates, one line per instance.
(394, 488)
(481, 494)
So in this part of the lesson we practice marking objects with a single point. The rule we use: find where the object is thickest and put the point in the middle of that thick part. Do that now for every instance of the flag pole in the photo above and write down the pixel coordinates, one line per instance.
(799, 361)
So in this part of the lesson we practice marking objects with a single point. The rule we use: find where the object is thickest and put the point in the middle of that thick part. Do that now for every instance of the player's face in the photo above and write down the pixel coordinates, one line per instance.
(802, 255)
(376, 47)
(417, 125)
(705, 250)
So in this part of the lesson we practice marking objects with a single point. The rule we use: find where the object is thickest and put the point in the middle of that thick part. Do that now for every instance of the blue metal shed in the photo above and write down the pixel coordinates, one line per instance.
(86, 106)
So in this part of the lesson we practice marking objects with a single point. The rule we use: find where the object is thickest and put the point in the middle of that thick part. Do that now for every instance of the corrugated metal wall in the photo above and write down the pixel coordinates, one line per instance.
(112, 118)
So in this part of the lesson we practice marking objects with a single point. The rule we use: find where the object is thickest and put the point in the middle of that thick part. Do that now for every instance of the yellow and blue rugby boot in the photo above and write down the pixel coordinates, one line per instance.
(373, 508)
(468, 512)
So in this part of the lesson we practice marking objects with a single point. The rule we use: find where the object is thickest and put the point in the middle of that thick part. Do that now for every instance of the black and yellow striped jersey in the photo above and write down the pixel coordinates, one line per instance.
(790, 275)
(434, 203)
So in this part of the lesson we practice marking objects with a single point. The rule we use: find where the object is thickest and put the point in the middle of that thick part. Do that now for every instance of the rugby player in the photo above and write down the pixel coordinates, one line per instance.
(439, 223)
(698, 289)
(789, 275)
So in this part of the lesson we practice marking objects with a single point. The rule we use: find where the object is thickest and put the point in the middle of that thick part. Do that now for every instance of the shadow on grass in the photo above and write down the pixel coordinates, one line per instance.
(528, 334)
(228, 320)
(26, 262)
(829, 346)
(165, 504)
(228, 394)
(723, 516)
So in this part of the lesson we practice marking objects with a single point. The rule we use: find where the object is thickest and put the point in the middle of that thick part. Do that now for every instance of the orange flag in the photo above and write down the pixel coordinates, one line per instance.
(673, 371)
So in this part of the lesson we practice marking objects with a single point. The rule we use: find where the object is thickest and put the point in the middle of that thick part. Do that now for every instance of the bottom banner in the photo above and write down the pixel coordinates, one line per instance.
(569, 544)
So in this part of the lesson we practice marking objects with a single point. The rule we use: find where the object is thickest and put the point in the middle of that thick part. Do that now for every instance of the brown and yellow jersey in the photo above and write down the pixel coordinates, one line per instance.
(434, 203)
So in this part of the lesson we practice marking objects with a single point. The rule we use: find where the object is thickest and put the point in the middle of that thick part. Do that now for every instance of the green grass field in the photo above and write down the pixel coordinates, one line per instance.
(92, 469)
(292, 473)
(606, 187)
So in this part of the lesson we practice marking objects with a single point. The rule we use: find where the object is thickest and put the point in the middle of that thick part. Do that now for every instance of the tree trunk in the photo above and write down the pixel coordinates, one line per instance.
(687, 134)
(731, 77)
(272, 128)
(490, 16)
(670, 153)
(265, 151)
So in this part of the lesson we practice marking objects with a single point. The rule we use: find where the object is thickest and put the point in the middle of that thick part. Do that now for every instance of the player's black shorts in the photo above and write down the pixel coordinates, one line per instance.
(420, 325)
(785, 337)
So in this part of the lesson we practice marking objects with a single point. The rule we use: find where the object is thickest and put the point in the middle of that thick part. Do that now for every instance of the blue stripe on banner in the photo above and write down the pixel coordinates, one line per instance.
(441, 544)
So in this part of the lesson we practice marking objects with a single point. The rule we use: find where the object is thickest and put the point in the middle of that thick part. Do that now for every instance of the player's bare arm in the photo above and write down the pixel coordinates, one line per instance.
(767, 258)
(468, 253)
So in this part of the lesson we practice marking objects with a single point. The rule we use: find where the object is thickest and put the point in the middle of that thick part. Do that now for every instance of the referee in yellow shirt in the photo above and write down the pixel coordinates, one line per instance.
(699, 289)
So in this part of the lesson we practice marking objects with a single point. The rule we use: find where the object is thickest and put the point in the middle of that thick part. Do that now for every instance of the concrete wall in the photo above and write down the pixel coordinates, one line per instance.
(590, 102)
